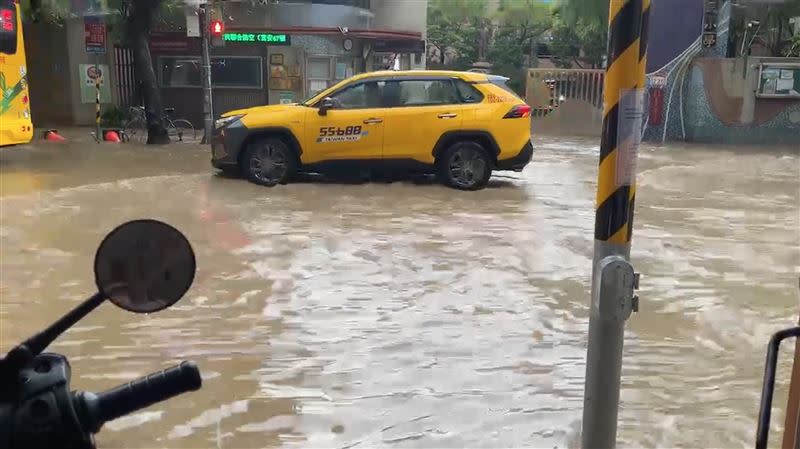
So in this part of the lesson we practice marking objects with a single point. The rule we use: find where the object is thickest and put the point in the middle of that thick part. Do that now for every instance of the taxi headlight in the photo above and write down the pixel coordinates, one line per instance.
(226, 121)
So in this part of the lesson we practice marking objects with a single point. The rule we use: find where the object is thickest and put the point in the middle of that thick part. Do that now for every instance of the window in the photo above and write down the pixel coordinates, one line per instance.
(236, 72)
(319, 75)
(325, 71)
(180, 72)
(226, 71)
(385, 61)
(500, 81)
(468, 93)
(422, 93)
(360, 96)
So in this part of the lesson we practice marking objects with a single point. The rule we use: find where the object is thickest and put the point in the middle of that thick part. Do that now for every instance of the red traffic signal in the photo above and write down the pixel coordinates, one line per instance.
(217, 28)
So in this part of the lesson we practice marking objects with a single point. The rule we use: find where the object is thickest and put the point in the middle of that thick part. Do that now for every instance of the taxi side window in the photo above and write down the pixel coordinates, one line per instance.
(425, 93)
(360, 96)
(468, 93)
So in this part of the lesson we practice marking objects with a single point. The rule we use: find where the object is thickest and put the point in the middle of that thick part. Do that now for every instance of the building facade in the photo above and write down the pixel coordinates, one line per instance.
(275, 52)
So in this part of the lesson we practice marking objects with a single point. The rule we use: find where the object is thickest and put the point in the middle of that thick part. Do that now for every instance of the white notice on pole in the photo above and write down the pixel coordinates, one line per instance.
(629, 135)
(192, 24)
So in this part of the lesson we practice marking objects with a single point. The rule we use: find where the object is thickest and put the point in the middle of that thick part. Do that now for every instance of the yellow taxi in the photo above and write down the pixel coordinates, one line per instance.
(458, 125)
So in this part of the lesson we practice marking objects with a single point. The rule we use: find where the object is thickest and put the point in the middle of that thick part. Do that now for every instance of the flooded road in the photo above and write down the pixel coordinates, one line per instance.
(329, 315)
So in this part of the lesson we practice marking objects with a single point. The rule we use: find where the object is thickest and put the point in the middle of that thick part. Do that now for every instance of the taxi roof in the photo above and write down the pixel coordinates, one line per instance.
(467, 76)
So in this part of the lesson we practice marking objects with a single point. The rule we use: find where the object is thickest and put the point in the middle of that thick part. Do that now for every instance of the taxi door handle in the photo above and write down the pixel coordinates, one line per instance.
(448, 115)
(370, 121)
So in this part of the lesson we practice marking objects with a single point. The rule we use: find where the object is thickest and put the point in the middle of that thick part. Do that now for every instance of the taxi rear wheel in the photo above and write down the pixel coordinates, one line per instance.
(465, 166)
(268, 162)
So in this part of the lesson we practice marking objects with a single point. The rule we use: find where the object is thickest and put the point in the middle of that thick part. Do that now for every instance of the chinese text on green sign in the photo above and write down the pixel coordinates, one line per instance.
(264, 38)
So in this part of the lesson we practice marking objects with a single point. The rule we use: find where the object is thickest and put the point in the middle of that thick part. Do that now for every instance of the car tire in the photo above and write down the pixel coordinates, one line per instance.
(465, 165)
(269, 162)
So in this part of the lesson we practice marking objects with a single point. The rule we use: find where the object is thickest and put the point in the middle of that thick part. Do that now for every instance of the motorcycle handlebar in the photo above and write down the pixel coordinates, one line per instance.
(138, 394)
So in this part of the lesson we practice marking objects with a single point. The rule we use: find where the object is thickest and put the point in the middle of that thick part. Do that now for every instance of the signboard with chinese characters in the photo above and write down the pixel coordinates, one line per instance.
(94, 34)
(258, 38)
(89, 75)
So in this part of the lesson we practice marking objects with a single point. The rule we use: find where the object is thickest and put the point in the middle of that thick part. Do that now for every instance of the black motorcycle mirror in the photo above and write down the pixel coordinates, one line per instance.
(142, 266)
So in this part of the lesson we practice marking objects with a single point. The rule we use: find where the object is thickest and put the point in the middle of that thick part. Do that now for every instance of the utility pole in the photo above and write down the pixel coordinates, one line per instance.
(208, 114)
(613, 277)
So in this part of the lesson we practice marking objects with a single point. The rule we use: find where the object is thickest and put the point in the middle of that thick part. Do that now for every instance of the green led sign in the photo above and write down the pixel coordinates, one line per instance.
(262, 38)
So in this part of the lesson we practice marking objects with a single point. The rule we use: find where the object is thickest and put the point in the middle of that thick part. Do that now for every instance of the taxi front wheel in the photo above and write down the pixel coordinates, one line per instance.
(269, 161)
(465, 166)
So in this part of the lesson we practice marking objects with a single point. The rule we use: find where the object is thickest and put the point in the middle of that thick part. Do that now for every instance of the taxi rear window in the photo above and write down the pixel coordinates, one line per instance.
(468, 93)
(500, 81)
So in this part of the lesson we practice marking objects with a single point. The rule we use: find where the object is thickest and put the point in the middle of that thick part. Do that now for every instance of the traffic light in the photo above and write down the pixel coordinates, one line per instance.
(217, 28)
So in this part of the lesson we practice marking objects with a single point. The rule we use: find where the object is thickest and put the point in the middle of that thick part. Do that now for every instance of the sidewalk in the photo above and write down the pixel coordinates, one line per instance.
(83, 134)
(79, 134)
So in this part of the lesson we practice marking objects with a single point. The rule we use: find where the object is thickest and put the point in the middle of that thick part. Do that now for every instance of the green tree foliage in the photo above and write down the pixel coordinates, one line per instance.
(591, 11)
(773, 32)
(564, 43)
(505, 37)
(580, 33)
(793, 50)
(520, 24)
(458, 26)
(450, 30)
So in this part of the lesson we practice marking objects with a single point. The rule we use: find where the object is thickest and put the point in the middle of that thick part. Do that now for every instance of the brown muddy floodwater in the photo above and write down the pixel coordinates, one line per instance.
(328, 315)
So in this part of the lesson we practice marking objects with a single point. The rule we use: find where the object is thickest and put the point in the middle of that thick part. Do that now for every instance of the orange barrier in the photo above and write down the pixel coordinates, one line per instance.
(111, 136)
(52, 135)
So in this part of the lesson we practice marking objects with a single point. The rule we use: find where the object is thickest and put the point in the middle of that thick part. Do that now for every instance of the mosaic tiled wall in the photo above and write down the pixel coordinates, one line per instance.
(670, 129)
(687, 114)
(703, 125)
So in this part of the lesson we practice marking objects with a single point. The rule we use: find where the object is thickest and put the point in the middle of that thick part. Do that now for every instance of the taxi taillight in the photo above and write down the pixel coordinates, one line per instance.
(519, 111)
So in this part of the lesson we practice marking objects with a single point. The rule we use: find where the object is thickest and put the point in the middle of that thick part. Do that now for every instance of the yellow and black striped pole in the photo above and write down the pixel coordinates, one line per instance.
(613, 278)
(97, 104)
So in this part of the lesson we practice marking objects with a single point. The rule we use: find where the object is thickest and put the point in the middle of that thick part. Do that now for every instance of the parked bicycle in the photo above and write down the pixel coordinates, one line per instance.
(178, 129)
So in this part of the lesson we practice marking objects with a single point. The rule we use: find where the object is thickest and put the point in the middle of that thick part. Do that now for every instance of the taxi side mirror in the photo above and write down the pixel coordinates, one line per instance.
(327, 104)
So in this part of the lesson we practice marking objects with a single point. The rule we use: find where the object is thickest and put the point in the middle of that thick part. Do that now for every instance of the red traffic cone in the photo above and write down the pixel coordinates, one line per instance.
(111, 136)
(53, 136)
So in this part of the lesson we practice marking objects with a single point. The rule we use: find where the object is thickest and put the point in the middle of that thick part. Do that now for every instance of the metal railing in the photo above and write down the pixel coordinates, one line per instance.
(564, 85)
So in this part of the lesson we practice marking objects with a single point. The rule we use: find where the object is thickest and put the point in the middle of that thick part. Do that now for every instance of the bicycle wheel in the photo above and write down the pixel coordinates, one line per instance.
(136, 130)
(181, 130)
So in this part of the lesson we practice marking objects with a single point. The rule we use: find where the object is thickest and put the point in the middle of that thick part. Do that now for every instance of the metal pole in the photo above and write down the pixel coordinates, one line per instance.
(613, 277)
(208, 115)
(791, 434)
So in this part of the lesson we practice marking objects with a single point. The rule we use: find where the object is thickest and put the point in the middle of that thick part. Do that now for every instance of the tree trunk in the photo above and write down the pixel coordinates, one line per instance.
(139, 21)
(483, 41)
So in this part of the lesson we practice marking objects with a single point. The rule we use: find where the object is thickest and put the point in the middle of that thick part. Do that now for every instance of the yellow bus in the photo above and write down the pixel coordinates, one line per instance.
(15, 112)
